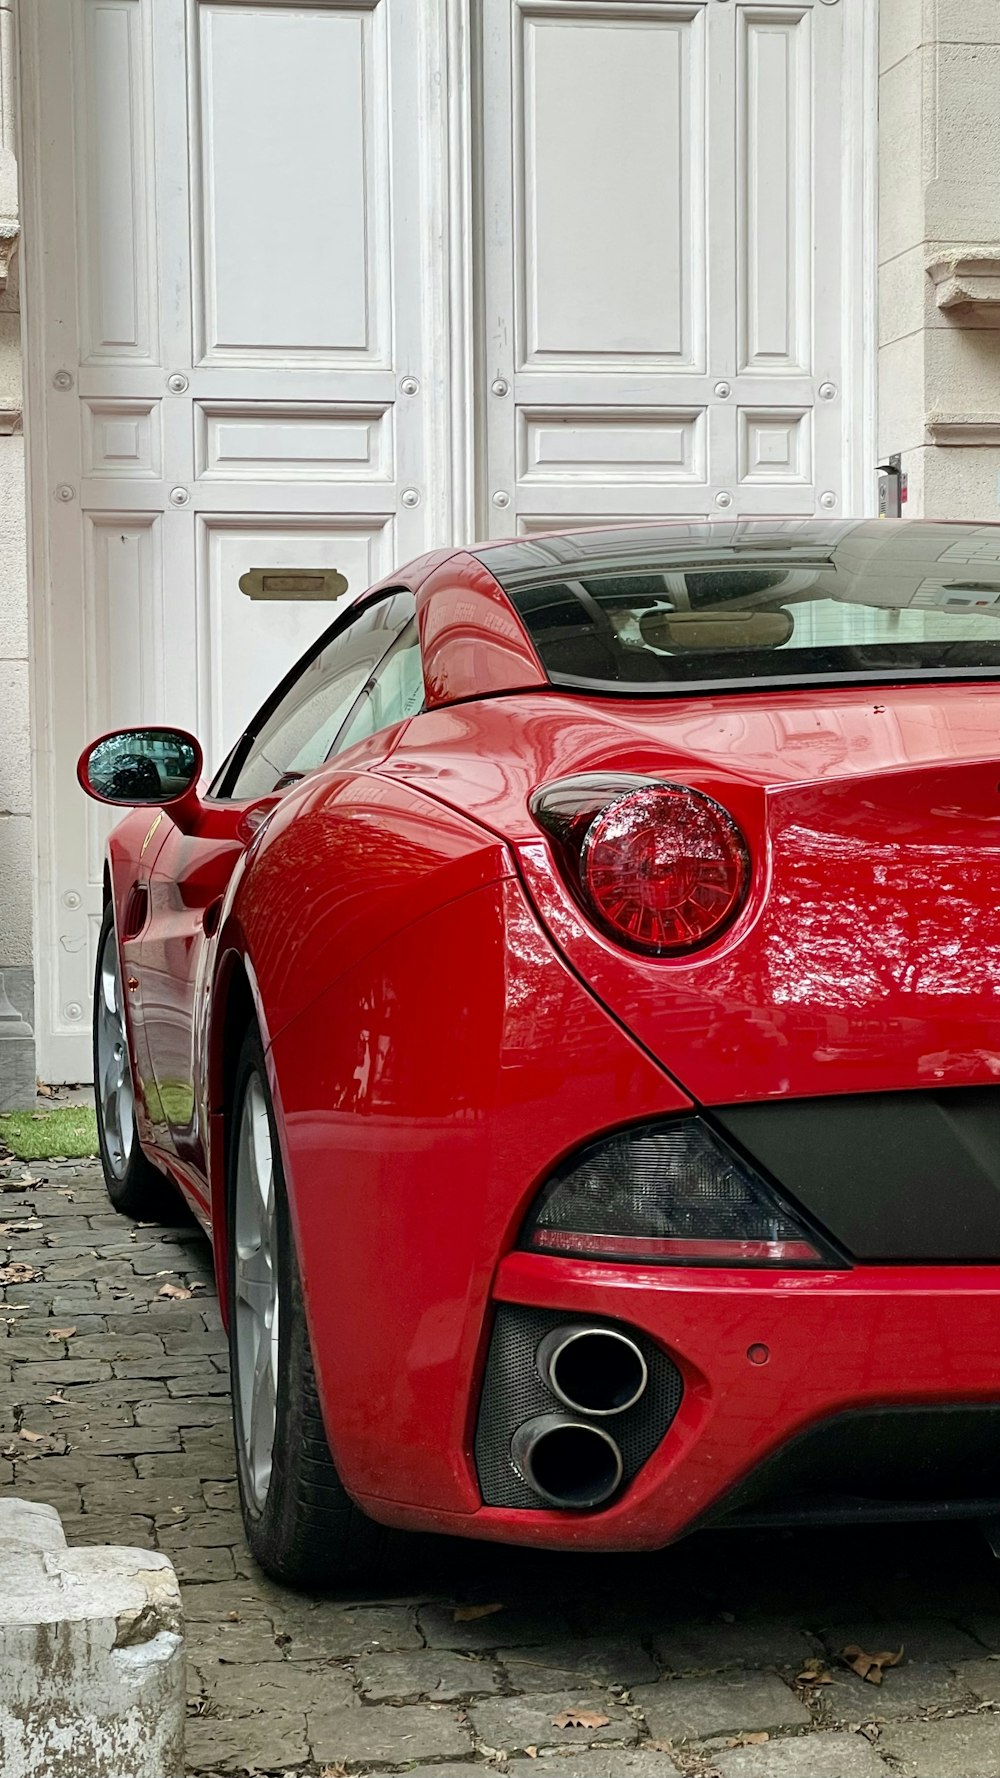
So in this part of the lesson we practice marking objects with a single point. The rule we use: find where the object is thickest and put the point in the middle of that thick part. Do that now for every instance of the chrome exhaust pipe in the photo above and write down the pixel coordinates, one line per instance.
(567, 1462)
(593, 1370)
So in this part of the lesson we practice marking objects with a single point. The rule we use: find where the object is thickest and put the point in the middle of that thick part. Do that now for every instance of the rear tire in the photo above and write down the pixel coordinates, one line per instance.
(136, 1188)
(301, 1525)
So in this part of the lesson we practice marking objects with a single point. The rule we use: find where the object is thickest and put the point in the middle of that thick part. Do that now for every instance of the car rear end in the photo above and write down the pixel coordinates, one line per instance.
(756, 813)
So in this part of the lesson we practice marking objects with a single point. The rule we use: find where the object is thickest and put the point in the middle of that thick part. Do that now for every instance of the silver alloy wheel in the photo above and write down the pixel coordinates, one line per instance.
(255, 1292)
(114, 1073)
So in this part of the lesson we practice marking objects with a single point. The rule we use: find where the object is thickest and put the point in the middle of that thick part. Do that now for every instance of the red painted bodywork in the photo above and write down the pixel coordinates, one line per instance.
(444, 1024)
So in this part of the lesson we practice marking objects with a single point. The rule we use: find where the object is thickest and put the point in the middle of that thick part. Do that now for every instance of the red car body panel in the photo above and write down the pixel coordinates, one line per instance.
(444, 1025)
(411, 1177)
(863, 814)
(836, 1341)
(472, 642)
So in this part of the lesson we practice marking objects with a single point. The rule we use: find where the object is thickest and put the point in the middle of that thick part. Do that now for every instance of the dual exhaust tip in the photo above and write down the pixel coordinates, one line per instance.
(568, 1460)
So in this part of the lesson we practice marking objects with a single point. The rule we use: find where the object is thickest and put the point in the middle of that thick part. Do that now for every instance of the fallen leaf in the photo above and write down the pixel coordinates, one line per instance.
(57, 1400)
(870, 1667)
(43, 1092)
(756, 1739)
(815, 1672)
(467, 1614)
(580, 1719)
(532, 1752)
(34, 1438)
(61, 1333)
(18, 1273)
(336, 1771)
(176, 1292)
(196, 1286)
(233, 1617)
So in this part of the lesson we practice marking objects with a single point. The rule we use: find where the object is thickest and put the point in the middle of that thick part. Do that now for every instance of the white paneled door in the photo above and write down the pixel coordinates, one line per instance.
(237, 283)
(672, 294)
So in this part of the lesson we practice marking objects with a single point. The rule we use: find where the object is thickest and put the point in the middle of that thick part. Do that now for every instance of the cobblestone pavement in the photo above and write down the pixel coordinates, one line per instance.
(114, 1408)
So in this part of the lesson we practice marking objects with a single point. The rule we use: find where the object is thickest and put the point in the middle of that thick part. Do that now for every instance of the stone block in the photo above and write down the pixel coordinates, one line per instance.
(510, 1725)
(819, 1756)
(613, 1762)
(964, 195)
(761, 1642)
(13, 572)
(10, 361)
(16, 878)
(255, 1743)
(956, 1747)
(736, 1704)
(17, 1072)
(981, 1678)
(965, 21)
(905, 297)
(901, 157)
(91, 1656)
(330, 1632)
(900, 31)
(961, 482)
(962, 372)
(513, 1628)
(902, 395)
(561, 1665)
(356, 1735)
(906, 1691)
(434, 1674)
(921, 1639)
(15, 754)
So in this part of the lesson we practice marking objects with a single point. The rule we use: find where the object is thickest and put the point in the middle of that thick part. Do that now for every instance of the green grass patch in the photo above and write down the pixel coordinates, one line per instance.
(70, 1130)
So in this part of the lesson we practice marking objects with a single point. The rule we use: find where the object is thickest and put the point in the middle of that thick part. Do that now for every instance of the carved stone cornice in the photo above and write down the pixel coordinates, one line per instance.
(963, 429)
(10, 234)
(967, 280)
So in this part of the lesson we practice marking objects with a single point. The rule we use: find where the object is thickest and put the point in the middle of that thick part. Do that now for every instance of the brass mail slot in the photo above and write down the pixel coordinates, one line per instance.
(293, 583)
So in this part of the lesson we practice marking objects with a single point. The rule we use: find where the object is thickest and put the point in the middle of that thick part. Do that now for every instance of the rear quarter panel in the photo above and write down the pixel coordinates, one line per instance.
(424, 1097)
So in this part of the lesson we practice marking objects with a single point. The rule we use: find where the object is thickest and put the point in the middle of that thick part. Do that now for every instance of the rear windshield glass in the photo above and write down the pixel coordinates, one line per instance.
(874, 604)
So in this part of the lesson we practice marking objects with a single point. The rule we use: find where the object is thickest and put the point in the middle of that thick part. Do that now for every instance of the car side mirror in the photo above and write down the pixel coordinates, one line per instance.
(158, 767)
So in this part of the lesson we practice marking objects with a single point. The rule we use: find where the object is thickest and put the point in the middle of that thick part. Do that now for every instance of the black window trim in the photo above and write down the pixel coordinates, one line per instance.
(677, 691)
(220, 789)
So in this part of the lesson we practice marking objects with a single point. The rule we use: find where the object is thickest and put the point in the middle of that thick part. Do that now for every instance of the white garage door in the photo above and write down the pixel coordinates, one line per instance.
(676, 330)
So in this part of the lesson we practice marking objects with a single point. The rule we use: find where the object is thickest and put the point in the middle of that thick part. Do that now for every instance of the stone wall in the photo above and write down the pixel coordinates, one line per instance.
(939, 252)
(17, 1050)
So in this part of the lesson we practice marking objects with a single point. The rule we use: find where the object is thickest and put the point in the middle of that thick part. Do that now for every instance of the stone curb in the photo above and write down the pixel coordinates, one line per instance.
(92, 1681)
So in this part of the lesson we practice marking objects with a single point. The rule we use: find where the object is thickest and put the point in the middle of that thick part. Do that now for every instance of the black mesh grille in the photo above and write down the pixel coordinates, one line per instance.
(513, 1392)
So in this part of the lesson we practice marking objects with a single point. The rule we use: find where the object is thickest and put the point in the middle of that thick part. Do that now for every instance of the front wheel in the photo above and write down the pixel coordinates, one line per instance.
(134, 1185)
(301, 1525)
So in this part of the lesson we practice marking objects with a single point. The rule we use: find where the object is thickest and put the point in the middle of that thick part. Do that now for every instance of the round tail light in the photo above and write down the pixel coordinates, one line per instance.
(665, 868)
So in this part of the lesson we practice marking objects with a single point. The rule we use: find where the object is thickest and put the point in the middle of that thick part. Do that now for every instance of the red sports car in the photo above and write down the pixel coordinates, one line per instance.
(574, 1010)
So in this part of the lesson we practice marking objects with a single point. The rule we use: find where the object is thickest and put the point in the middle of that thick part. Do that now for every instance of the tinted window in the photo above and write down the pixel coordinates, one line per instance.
(730, 623)
(724, 605)
(300, 733)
